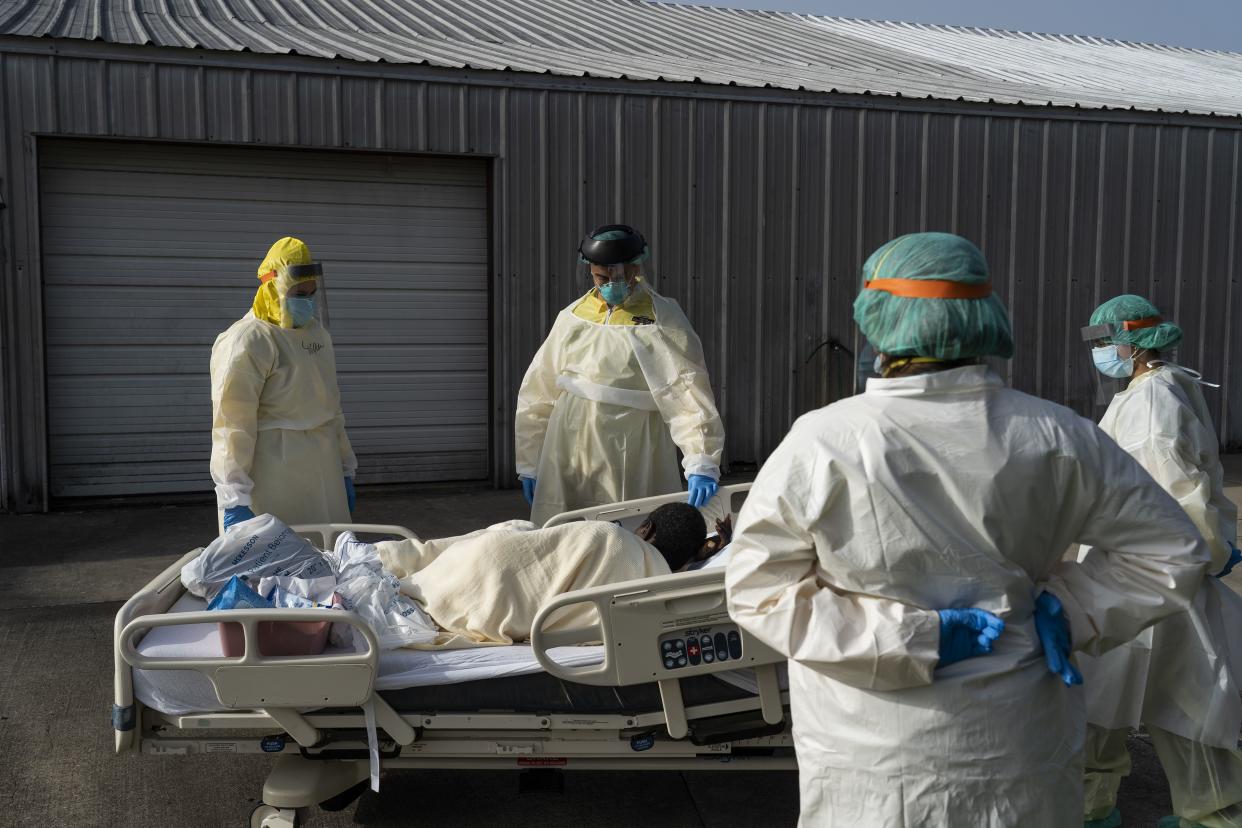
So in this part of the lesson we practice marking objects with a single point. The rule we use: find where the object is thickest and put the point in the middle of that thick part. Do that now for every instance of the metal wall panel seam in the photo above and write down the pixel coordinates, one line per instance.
(793, 329)
(892, 174)
(545, 172)
(863, 117)
(504, 330)
(757, 310)
(692, 147)
(821, 388)
(1041, 260)
(1099, 219)
(1153, 230)
(34, 418)
(1012, 289)
(726, 175)
(1125, 250)
(924, 177)
(1205, 251)
(1228, 428)
(957, 172)
(8, 298)
(985, 189)
(653, 175)
(1068, 321)
(618, 152)
(1181, 230)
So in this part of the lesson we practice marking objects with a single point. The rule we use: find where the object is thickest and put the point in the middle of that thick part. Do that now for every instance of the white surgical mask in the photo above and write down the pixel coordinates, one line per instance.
(1110, 364)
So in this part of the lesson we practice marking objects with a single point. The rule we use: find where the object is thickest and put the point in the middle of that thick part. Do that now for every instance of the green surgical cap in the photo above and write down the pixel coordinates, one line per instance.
(1131, 308)
(938, 328)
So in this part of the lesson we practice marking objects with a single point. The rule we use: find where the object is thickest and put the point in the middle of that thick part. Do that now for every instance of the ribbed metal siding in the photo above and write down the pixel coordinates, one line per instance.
(149, 251)
(628, 39)
(760, 212)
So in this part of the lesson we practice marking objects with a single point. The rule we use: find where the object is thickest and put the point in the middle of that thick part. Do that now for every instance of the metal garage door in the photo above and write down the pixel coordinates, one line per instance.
(149, 251)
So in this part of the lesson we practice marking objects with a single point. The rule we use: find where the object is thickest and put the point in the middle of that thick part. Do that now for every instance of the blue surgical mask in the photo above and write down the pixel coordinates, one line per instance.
(1108, 363)
(614, 293)
(878, 365)
(301, 309)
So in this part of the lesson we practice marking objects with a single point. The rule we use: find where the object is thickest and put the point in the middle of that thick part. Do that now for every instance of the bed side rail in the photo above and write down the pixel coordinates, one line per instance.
(329, 532)
(163, 591)
(727, 501)
(661, 629)
(278, 685)
(160, 593)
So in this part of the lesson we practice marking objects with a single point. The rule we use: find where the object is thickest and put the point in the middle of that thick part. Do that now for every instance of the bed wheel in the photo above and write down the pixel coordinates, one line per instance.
(269, 816)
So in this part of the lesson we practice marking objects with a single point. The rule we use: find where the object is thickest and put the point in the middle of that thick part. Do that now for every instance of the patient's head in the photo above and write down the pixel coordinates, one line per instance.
(677, 530)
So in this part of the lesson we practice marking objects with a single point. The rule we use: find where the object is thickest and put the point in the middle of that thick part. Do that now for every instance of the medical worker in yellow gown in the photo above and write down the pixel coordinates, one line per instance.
(278, 442)
(617, 387)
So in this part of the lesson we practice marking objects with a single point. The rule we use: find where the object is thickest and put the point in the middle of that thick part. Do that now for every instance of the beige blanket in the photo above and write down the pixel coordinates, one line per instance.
(486, 587)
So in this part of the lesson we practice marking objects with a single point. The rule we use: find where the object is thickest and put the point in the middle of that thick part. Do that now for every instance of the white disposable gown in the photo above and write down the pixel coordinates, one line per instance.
(924, 493)
(603, 408)
(1184, 674)
(278, 441)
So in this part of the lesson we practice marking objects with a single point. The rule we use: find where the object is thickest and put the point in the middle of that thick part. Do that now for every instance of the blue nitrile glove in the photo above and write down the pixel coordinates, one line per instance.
(528, 490)
(1054, 634)
(966, 633)
(1235, 557)
(351, 497)
(702, 489)
(236, 514)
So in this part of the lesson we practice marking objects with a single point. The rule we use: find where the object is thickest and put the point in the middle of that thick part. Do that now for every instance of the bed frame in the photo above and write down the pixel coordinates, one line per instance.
(324, 757)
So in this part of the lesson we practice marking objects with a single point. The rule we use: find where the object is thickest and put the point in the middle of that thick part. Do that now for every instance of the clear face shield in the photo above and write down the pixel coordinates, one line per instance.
(305, 298)
(1106, 387)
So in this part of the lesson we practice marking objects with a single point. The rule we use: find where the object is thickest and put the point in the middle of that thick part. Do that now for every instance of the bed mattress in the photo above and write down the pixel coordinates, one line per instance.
(485, 678)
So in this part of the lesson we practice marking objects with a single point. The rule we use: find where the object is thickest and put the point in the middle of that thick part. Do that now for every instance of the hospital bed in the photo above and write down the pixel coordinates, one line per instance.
(675, 685)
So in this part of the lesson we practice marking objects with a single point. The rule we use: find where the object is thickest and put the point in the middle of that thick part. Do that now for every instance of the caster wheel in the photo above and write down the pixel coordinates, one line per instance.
(269, 816)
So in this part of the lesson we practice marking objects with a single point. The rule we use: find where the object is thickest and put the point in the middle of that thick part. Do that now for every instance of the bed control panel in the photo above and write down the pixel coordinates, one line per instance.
(700, 645)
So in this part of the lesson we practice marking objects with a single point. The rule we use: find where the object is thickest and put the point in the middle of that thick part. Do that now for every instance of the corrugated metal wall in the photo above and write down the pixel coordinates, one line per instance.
(759, 211)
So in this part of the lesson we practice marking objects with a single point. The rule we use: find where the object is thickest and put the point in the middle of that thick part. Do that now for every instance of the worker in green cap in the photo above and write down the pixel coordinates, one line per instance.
(903, 547)
(1180, 678)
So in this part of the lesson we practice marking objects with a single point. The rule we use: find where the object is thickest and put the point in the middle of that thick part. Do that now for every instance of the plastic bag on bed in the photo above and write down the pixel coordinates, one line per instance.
(396, 620)
(237, 595)
(253, 549)
(288, 591)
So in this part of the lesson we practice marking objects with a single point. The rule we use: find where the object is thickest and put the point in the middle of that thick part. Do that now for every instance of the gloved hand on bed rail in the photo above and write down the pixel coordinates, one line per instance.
(702, 489)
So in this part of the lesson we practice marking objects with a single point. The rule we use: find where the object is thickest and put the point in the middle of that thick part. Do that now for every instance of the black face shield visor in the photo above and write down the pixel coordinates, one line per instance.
(613, 251)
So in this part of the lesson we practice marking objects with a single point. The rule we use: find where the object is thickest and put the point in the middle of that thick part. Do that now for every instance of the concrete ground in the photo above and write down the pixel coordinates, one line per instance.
(64, 575)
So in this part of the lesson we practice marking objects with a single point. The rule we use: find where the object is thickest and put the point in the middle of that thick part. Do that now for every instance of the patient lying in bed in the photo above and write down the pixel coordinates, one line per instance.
(486, 587)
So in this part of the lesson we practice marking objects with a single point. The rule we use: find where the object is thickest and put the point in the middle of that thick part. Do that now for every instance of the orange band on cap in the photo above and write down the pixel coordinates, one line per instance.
(267, 277)
(1136, 324)
(930, 288)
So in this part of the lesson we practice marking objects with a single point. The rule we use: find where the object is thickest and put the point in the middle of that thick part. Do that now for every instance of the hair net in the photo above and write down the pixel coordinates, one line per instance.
(269, 302)
(931, 327)
(1130, 308)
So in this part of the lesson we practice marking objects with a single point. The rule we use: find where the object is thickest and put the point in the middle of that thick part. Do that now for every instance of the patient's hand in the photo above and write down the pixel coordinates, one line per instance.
(724, 536)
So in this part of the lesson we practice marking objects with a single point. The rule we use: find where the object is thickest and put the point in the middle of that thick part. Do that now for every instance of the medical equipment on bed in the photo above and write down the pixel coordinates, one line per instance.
(313, 711)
